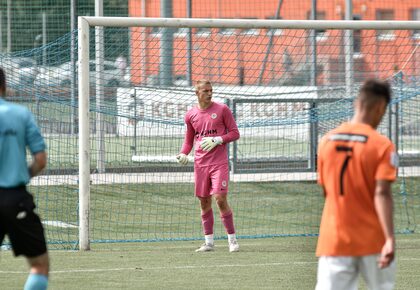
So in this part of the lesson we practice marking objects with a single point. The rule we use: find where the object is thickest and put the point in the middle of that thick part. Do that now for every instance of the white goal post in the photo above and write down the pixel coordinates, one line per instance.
(84, 25)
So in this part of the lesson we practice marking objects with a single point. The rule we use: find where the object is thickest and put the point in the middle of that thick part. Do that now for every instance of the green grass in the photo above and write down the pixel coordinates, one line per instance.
(63, 150)
(277, 263)
(170, 211)
(167, 211)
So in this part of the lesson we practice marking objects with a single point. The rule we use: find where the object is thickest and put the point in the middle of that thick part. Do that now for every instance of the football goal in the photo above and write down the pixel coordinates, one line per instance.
(286, 82)
(114, 121)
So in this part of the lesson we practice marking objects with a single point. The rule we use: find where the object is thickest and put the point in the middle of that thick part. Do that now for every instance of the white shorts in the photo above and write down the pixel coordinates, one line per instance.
(342, 273)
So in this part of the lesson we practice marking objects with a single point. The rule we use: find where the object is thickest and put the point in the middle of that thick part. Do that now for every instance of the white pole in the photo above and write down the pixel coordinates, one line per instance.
(1, 31)
(99, 53)
(9, 25)
(348, 51)
(166, 46)
(84, 146)
(313, 51)
(143, 31)
(313, 45)
(72, 65)
(257, 23)
(189, 45)
(44, 39)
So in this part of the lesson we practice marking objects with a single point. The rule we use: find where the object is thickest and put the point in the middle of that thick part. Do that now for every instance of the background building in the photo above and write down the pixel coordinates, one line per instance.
(241, 65)
(28, 24)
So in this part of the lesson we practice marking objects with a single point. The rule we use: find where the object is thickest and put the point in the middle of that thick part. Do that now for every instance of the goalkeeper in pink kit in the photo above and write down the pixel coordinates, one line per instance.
(210, 126)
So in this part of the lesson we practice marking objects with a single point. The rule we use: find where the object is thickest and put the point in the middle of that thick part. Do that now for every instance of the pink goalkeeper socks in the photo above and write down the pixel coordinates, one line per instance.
(207, 220)
(227, 220)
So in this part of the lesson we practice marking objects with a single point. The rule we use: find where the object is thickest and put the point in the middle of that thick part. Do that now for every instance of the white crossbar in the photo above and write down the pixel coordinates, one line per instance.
(246, 23)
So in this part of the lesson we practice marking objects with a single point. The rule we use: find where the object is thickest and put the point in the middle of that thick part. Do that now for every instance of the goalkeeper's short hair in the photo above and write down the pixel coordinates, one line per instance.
(200, 83)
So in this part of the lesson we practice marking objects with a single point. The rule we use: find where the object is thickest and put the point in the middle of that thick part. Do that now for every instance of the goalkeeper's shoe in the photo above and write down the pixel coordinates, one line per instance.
(205, 248)
(233, 246)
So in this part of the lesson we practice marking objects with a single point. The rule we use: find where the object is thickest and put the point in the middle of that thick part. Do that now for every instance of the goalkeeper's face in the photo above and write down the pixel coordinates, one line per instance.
(204, 94)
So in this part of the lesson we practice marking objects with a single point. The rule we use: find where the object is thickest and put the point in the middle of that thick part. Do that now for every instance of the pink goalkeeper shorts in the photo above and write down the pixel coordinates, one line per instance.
(212, 179)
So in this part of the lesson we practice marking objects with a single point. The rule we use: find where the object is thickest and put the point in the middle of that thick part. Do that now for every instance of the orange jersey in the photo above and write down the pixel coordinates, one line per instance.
(351, 158)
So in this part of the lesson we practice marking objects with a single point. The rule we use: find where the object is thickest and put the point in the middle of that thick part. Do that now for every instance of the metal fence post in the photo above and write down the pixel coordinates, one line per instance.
(313, 119)
(232, 104)
(398, 106)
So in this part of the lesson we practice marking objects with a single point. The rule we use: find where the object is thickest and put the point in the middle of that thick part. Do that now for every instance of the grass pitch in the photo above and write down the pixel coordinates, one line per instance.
(276, 263)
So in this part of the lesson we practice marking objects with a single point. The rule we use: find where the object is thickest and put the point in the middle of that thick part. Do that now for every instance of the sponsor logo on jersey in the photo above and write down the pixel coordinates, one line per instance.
(348, 137)
(205, 133)
(214, 116)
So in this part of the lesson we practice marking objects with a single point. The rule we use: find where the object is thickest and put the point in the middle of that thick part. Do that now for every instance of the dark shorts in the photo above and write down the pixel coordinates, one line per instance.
(20, 223)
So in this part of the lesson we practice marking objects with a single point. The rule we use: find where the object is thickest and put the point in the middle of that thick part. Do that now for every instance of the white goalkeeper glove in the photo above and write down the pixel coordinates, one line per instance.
(182, 158)
(208, 143)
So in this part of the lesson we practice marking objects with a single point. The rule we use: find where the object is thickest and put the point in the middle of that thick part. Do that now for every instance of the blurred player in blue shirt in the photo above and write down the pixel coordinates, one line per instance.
(18, 131)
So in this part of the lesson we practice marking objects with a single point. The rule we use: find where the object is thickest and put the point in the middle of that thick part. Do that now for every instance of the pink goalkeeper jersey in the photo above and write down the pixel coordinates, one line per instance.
(216, 120)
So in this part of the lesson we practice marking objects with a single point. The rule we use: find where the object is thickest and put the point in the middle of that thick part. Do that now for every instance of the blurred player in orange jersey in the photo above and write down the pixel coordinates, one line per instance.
(356, 166)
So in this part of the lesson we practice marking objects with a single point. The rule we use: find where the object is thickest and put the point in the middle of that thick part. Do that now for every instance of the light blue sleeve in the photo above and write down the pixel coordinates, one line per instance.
(34, 139)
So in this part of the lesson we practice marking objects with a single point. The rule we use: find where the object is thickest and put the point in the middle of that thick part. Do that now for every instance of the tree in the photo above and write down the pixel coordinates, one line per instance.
(26, 22)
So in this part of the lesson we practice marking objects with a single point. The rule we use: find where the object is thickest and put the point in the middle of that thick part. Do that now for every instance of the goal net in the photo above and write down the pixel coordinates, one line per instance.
(113, 131)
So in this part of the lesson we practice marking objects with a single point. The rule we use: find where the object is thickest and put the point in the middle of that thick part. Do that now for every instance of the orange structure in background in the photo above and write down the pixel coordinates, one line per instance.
(238, 58)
